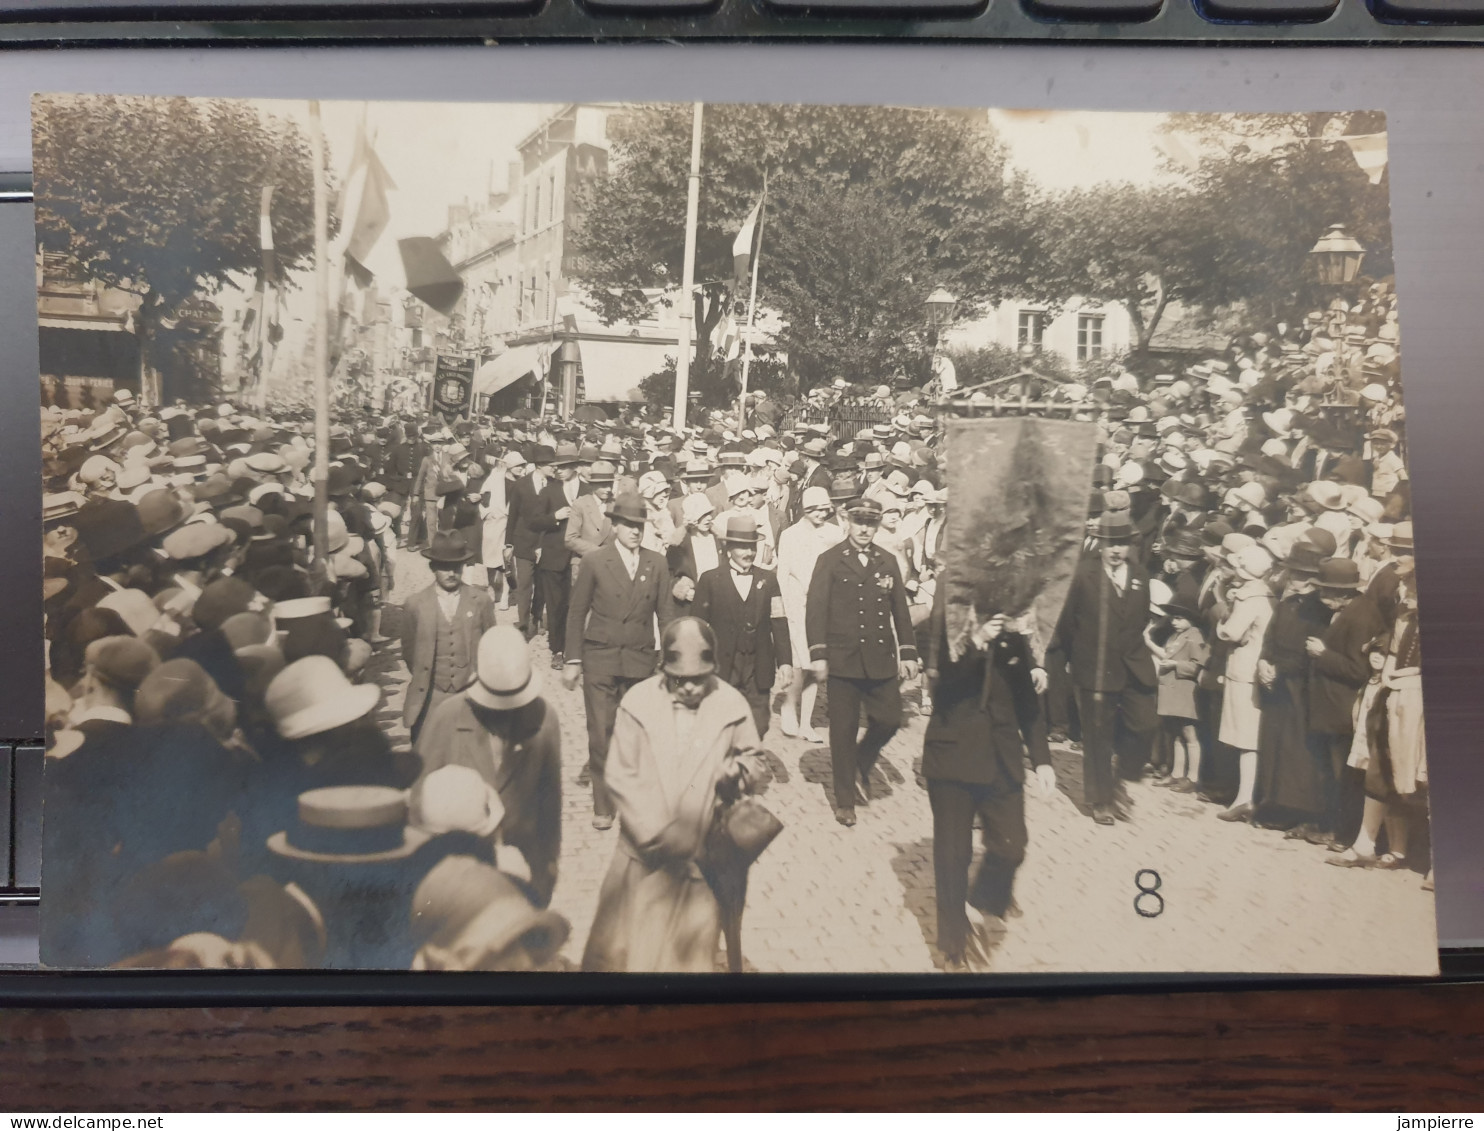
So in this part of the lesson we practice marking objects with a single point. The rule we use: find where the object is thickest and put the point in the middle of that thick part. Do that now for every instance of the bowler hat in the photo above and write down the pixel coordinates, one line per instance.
(448, 548)
(1338, 573)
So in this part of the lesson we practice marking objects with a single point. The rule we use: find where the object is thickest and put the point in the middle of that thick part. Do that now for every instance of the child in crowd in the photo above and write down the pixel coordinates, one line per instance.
(1179, 662)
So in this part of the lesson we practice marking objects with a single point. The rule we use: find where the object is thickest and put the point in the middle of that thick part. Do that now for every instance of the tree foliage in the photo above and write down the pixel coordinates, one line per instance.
(869, 210)
(1236, 229)
(160, 196)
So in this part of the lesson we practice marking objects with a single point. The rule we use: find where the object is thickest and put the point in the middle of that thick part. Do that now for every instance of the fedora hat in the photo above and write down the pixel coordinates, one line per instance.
(349, 824)
(688, 648)
(504, 677)
(742, 528)
(602, 471)
(696, 469)
(1113, 526)
(1338, 573)
(1304, 557)
(312, 695)
(566, 454)
(844, 488)
(629, 508)
(448, 548)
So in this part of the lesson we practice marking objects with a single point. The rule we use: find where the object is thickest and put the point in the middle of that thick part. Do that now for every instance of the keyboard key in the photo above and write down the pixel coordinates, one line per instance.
(5, 810)
(131, 9)
(27, 770)
(882, 9)
(1268, 11)
(649, 7)
(1094, 11)
(1431, 11)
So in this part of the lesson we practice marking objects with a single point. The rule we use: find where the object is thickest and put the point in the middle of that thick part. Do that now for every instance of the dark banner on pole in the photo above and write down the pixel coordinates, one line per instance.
(453, 377)
(1018, 488)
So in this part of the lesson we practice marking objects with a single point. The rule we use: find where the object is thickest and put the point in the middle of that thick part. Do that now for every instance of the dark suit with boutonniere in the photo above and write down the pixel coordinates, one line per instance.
(751, 634)
(857, 620)
(613, 627)
(1100, 637)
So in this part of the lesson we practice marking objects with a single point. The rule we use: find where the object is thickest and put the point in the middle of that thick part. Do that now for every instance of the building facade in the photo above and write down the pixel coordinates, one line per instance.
(522, 312)
(1080, 331)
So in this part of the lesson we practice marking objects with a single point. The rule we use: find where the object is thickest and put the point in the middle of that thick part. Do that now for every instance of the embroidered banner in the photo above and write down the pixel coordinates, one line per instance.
(1018, 488)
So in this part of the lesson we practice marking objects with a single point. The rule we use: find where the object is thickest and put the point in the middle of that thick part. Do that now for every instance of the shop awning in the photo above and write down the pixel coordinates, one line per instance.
(611, 371)
(511, 366)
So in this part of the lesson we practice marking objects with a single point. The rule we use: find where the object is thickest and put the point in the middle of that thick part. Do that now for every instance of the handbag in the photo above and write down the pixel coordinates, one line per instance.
(749, 826)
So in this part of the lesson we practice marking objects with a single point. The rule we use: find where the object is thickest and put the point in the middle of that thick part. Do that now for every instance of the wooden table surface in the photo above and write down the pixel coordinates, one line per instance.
(1416, 1047)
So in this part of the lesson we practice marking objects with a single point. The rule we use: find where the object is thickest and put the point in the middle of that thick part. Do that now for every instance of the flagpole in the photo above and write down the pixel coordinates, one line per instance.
(321, 472)
(688, 273)
(762, 220)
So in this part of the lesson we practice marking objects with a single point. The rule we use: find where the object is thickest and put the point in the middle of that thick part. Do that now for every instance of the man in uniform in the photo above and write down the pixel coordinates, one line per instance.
(621, 589)
(861, 641)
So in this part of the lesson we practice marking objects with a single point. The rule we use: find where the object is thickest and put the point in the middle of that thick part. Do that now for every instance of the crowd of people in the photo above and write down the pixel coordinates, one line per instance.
(222, 789)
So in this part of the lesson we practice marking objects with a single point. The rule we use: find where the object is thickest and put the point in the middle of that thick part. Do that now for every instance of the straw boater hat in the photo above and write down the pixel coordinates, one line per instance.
(349, 824)
(504, 679)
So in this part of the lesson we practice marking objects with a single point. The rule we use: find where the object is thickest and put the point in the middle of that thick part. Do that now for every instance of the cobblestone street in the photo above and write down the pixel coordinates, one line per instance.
(824, 898)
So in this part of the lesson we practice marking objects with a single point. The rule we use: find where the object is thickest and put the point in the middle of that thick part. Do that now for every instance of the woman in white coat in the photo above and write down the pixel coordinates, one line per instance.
(495, 512)
(1243, 627)
(684, 743)
(799, 548)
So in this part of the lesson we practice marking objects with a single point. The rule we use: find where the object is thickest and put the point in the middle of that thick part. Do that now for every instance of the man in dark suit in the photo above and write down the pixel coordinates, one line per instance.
(621, 590)
(525, 540)
(1100, 636)
(861, 641)
(986, 718)
(744, 607)
(441, 627)
(549, 519)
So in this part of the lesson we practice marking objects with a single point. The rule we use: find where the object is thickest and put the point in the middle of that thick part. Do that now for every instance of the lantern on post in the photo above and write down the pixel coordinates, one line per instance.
(940, 307)
(1337, 257)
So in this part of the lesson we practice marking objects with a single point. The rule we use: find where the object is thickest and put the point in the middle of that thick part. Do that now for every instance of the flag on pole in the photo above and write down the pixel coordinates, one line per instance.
(269, 265)
(743, 244)
(364, 207)
(1369, 151)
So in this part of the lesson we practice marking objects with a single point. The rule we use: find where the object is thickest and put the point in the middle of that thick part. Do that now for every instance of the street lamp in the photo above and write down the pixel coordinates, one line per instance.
(1337, 256)
(940, 307)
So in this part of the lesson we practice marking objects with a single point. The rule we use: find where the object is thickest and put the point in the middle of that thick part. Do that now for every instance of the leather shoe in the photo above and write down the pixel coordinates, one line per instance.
(1237, 813)
(846, 817)
(1103, 815)
(602, 824)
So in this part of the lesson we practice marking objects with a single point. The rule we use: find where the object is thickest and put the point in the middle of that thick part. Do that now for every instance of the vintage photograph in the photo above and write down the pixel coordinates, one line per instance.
(707, 538)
